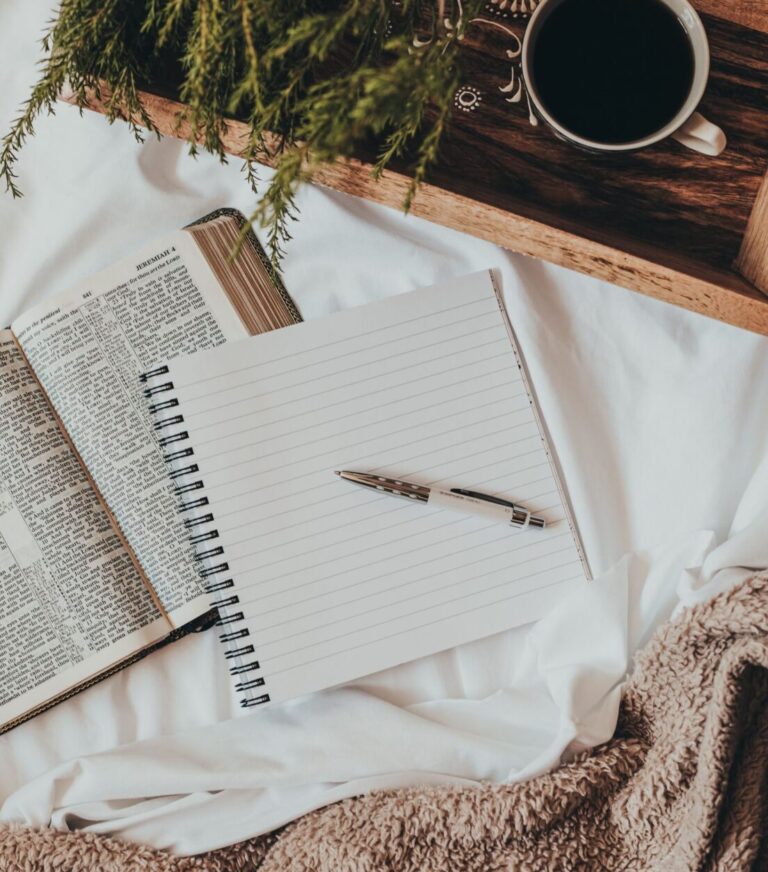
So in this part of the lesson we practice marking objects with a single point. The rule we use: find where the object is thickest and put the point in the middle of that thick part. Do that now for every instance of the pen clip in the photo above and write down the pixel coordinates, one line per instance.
(488, 499)
(521, 517)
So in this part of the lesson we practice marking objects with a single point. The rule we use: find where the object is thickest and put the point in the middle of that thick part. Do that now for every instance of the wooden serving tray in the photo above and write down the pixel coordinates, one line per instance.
(678, 226)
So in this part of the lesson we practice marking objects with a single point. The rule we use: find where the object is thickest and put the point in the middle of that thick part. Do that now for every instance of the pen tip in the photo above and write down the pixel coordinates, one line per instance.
(336, 472)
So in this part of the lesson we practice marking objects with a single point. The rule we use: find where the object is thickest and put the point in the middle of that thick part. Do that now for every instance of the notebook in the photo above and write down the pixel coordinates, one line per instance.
(319, 582)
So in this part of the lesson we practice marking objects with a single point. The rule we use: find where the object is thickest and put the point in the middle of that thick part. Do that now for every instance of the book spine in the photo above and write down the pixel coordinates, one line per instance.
(200, 525)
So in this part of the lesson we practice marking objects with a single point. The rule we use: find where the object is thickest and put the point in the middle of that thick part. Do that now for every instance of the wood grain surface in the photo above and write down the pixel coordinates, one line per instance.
(752, 261)
(749, 13)
(663, 221)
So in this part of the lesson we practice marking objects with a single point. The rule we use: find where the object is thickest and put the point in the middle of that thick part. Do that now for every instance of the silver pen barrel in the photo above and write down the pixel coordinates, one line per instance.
(393, 486)
(457, 499)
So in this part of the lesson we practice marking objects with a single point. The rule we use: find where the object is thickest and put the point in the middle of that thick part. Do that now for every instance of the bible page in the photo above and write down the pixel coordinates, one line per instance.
(72, 602)
(88, 349)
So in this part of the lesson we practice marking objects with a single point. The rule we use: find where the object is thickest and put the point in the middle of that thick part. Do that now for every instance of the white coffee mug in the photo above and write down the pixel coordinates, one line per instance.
(688, 126)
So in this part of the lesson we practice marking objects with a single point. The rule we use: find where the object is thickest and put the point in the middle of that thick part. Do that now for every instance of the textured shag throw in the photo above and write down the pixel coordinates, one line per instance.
(683, 785)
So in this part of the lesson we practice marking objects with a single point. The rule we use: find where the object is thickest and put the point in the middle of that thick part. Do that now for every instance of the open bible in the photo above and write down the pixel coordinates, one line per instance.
(96, 567)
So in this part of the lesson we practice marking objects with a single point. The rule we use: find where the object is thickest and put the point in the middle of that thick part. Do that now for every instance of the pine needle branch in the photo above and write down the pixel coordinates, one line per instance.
(318, 77)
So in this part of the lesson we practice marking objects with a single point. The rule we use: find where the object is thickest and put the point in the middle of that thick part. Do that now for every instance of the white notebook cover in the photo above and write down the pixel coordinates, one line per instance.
(320, 582)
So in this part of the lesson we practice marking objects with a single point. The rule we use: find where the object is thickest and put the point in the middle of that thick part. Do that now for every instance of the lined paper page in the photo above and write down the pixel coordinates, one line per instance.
(335, 581)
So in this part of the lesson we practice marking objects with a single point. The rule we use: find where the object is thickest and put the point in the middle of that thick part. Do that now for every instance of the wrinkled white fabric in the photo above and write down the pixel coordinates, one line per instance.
(658, 419)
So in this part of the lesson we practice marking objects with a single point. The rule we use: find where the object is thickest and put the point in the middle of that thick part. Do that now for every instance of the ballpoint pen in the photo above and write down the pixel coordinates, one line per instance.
(457, 499)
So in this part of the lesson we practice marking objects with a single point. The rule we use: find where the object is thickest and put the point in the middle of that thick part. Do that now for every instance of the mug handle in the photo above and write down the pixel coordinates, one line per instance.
(701, 135)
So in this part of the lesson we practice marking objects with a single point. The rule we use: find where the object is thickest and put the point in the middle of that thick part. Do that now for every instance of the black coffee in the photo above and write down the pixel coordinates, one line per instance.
(612, 71)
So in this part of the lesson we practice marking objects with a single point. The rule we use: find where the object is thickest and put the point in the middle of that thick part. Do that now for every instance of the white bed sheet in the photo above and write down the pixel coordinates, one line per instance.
(658, 417)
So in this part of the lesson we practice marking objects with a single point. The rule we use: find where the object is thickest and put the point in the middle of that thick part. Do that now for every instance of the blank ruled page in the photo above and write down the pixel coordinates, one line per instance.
(335, 581)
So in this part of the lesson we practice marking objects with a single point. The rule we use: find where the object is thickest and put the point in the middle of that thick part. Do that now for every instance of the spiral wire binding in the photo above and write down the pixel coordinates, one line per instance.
(213, 567)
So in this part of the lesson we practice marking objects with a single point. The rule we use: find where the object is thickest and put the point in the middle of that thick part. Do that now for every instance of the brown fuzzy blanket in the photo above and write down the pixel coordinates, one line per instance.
(683, 785)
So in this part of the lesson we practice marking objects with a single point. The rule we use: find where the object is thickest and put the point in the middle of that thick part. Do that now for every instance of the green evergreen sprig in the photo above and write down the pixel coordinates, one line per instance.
(319, 78)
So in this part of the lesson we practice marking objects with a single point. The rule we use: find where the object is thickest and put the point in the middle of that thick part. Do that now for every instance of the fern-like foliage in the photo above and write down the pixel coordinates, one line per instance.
(313, 80)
